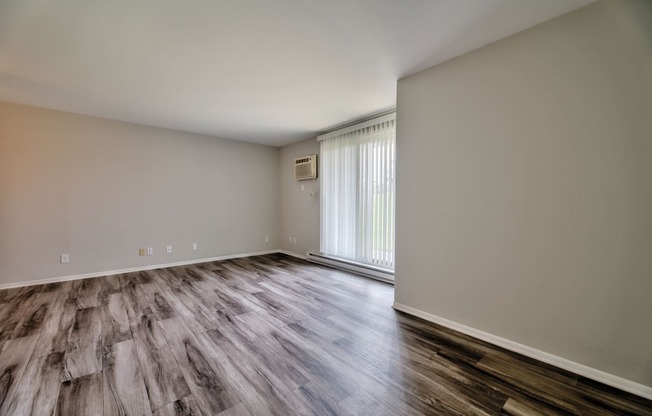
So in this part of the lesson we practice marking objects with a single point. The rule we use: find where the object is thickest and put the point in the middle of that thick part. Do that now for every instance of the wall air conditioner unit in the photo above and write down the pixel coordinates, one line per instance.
(305, 167)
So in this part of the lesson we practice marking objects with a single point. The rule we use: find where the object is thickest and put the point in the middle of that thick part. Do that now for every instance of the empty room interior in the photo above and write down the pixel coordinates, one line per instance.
(346, 207)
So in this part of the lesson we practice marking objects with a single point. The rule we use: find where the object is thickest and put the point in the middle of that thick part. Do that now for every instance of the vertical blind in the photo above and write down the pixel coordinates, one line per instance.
(358, 192)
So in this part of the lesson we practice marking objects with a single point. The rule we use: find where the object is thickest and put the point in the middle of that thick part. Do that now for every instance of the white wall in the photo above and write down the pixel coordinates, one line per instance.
(524, 205)
(100, 189)
(300, 212)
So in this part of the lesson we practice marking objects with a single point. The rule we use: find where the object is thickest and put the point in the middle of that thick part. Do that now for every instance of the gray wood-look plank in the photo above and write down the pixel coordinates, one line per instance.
(27, 387)
(115, 321)
(237, 410)
(86, 293)
(8, 322)
(63, 326)
(209, 385)
(52, 320)
(46, 387)
(81, 396)
(163, 378)
(159, 303)
(265, 335)
(186, 406)
(515, 408)
(124, 387)
(84, 352)
(251, 385)
(34, 315)
(14, 359)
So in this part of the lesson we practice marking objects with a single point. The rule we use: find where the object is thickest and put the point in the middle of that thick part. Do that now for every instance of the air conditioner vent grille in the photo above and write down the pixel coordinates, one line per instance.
(305, 167)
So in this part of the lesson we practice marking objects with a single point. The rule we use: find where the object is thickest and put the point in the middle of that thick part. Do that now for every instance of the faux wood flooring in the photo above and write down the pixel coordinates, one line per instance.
(266, 335)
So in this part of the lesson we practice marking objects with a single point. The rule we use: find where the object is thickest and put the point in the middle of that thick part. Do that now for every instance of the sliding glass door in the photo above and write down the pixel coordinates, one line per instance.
(358, 192)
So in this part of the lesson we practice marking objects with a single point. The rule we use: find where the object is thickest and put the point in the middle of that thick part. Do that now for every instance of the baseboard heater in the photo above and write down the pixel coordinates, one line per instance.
(366, 270)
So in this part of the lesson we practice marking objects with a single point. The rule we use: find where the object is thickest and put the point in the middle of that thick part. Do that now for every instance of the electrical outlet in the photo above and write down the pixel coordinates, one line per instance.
(294, 240)
(142, 252)
(267, 239)
(194, 246)
(290, 239)
(150, 251)
(65, 258)
(168, 249)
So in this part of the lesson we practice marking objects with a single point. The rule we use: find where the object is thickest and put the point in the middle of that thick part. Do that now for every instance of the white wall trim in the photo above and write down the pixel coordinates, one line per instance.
(130, 270)
(577, 368)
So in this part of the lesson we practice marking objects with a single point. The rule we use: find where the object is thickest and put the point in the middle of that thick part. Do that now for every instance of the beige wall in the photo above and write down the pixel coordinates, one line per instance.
(300, 212)
(525, 189)
(100, 189)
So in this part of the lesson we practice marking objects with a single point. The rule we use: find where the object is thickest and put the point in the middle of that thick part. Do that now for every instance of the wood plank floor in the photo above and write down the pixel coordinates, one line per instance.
(265, 335)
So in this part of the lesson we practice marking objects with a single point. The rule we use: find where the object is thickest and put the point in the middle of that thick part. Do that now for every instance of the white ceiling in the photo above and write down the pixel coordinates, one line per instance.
(264, 71)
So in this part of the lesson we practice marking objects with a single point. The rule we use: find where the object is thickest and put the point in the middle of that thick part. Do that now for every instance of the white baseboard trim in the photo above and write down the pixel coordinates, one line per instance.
(130, 270)
(577, 368)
